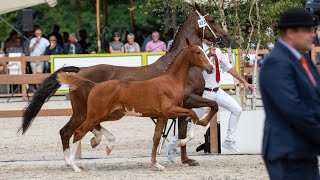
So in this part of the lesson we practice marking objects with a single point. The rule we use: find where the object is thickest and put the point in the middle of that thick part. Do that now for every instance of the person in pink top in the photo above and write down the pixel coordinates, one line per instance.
(156, 45)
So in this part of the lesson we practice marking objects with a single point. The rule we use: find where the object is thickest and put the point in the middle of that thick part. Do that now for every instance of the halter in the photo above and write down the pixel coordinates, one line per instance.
(202, 22)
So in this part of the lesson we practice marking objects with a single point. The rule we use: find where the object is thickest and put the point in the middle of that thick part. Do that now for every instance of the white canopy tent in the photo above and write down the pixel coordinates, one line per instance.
(7, 6)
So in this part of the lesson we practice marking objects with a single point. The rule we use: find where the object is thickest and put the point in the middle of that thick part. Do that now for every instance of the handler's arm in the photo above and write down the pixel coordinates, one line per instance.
(277, 81)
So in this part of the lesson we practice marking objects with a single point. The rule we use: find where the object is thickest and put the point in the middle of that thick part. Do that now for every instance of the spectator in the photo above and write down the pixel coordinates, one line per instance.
(146, 39)
(52, 49)
(56, 33)
(11, 41)
(17, 48)
(65, 37)
(156, 45)
(116, 46)
(37, 47)
(131, 46)
(72, 47)
(83, 41)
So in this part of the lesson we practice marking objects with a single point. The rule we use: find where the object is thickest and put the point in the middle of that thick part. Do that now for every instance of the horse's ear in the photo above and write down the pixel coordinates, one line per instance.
(195, 7)
(187, 41)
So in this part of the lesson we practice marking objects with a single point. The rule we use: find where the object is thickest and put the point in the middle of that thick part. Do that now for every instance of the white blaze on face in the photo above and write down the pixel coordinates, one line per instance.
(204, 53)
(132, 112)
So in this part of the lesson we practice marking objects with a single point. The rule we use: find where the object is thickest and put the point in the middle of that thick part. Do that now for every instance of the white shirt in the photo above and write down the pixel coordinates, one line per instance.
(224, 64)
(40, 47)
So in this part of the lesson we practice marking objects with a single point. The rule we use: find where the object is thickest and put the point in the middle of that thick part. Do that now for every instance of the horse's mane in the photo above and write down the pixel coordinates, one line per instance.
(175, 53)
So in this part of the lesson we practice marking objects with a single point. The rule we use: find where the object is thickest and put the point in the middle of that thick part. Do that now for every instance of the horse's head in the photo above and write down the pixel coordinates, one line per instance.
(208, 28)
(197, 57)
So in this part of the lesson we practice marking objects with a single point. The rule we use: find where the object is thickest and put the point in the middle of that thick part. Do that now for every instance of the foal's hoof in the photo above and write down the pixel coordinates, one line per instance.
(191, 162)
(108, 150)
(159, 167)
(94, 142)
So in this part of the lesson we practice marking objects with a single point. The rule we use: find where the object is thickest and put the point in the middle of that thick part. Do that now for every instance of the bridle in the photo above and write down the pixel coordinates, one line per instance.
(202, 22)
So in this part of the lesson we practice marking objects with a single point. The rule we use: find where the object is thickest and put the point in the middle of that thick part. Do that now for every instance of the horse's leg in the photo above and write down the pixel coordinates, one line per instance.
(111, 138)
(182, 125)
(156, 138)
(66, 133)
(95, 141)
(195, 101)
(86, 126)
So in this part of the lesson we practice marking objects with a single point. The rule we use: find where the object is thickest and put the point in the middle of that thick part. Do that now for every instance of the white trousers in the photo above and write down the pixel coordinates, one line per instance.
(226, 101)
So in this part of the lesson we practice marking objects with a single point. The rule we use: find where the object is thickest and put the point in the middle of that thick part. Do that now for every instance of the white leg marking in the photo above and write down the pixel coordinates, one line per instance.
(159, 167)
(95, 141)
(190, 135)
(73, 152)
(111, 138)
(66, 156)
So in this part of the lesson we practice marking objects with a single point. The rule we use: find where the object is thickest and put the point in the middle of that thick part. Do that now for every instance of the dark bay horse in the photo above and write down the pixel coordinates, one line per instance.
(140, 98)
(100, 73)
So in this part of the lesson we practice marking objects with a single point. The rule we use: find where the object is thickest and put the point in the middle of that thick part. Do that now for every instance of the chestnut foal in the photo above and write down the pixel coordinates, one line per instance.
(160, 97)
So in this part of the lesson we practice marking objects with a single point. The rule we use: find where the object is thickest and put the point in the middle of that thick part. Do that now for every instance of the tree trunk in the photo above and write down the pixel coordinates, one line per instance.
(105, 12)
(131, 16)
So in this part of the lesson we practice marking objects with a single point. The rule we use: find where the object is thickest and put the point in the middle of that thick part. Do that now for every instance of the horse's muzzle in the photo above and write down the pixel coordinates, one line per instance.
(209, 69)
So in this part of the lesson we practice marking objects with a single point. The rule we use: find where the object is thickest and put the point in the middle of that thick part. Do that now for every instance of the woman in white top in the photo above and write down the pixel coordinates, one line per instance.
(131, 46)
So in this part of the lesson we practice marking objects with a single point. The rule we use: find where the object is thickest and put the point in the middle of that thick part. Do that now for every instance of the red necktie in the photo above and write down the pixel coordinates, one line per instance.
(306, 68)
(217, 68)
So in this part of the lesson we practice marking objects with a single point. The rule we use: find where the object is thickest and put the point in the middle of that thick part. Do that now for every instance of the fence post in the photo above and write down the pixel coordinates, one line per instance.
(23, 72)
(214, 134)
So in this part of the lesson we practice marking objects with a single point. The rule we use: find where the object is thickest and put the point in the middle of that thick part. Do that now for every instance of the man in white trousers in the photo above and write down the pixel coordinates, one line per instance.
(213, 92)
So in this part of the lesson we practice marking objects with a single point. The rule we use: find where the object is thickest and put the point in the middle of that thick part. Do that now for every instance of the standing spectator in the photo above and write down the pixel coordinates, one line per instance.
(56, 33)
(116, 46)
(72, 47)
(146, 38)
(17, 48)
(37, 47)
(131, 46)
(156, 45)
(65, 37)
(83, 41)
(52, 49)
(11, 41)
(289, 84)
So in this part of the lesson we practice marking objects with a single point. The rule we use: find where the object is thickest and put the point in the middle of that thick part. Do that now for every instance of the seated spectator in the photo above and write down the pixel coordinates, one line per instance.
(37, 47)
(3, 68)
(17, 48)
(72, 47)
(55, 32)
(131, 46)
(116, 46)
(52, 49)
(156, 45)
(83, 41)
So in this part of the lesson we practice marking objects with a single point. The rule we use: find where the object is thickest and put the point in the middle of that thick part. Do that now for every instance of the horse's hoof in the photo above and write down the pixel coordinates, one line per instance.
(93, 142)
(108, 150)
(159, 167)
(191, 162)
(77, 170)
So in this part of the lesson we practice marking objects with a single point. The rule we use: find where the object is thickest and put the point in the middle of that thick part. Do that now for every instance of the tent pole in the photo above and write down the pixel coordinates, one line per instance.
(98, 24)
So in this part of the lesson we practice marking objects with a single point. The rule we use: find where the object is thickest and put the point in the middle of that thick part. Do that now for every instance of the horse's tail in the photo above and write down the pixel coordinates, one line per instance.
(74, 81)
(47, 89)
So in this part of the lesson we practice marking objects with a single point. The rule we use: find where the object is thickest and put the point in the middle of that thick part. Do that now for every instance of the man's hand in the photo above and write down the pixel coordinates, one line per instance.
(248, 87)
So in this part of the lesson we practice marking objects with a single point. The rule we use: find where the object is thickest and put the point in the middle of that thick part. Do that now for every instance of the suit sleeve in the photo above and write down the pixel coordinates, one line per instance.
(278, 83)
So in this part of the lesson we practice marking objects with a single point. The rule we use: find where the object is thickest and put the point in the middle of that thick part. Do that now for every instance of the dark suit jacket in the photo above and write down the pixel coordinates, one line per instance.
(66, 48)
(292, 107)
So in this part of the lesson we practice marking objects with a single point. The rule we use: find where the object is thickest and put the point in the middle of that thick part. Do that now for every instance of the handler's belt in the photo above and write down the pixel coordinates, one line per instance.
(212, 90)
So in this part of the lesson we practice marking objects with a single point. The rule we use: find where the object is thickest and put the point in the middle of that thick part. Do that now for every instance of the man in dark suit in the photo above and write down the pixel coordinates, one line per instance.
(290, 89)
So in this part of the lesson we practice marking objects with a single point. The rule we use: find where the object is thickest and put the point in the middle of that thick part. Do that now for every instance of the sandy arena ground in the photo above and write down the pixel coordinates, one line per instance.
(38, 154)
